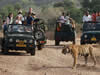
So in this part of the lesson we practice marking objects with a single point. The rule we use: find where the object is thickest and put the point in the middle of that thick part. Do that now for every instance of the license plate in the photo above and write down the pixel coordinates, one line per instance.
(20, 45)
(21, 42)
(93, 39)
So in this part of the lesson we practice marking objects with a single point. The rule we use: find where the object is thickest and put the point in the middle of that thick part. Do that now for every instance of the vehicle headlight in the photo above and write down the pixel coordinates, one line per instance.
(85, 36)
(17, 40)
(10, 40)
(25, 41)
(30, 41)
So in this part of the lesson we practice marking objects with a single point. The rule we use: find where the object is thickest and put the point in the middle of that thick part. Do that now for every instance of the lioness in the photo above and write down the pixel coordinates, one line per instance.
(82, 50)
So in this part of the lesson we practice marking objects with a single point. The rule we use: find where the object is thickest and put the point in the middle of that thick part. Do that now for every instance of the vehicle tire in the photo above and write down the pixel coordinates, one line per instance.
(57, 43)
(39, 34)
(32, 52)
(4, 49)
(27, 51)
(39, 47)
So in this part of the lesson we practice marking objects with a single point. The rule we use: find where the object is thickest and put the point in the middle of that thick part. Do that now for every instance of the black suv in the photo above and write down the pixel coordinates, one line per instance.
(91, 33)
(64, 33)
(19, 37)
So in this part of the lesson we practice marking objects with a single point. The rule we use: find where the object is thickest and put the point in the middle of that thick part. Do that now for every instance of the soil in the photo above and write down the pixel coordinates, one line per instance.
(49, 61)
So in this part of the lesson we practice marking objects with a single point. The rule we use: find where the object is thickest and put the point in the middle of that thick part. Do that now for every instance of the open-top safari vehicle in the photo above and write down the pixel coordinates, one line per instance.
(39, 31)
(64, 33)
(91, 33)
(19, 37)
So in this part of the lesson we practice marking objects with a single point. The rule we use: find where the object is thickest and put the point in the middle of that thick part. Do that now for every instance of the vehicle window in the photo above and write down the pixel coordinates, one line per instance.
(19, 28)
(91, 26)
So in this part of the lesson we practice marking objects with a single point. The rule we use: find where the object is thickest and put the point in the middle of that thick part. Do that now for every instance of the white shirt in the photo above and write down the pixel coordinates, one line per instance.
(87, 18)
(20, 15)
(18, 22)
(67, 20)
(9, 21)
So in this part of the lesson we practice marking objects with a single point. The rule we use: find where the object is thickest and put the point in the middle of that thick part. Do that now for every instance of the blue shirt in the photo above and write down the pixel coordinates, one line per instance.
(30, 19)
(5, 27)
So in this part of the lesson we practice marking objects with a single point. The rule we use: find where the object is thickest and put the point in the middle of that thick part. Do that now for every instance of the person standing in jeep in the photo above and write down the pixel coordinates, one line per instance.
(61, 19)
(65, 29)
(9, 19)
(87, 17)
(30, 19)
(30, 10)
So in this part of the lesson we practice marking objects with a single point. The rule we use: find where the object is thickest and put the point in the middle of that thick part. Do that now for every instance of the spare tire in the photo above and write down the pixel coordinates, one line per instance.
(39, 34)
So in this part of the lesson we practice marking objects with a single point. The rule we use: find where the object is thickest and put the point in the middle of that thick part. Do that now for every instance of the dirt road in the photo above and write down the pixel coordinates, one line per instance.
(49, 61)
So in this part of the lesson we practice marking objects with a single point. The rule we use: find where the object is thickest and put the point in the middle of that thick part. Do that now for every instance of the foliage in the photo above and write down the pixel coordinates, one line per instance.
(48, 12)
(91, 5)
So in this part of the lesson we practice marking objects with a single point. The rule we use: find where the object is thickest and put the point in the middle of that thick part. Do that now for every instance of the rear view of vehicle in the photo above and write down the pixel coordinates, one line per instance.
(19, 37)
(39, 33)
(64, 33)
(91, 33)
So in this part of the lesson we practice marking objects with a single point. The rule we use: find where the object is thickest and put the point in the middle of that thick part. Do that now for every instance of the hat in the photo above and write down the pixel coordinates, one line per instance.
(20, 11)
(33, 13)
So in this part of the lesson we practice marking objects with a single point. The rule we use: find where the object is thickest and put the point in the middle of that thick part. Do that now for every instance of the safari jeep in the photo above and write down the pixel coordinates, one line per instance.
(64, 33)
(19, 37)
(91, 33)
(39, 33)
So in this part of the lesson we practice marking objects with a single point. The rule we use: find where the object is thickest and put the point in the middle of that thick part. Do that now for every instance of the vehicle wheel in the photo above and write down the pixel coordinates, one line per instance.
(4, 49)
(39, 34)
(32, 52)
(39, 47)
(57, 43)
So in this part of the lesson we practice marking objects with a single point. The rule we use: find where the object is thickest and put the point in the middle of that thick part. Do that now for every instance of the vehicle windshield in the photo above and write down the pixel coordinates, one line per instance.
(91, 27)
(19, 28)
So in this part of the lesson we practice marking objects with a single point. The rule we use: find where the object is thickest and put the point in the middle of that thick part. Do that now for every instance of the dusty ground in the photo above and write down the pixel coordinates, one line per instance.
(49, 61)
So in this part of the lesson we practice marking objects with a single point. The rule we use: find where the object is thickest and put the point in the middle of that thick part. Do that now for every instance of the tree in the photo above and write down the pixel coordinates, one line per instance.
(91, 5)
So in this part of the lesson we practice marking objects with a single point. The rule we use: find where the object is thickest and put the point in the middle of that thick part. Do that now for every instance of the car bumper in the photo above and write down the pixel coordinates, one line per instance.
(89, 41)
(20, 47)
(64, 36)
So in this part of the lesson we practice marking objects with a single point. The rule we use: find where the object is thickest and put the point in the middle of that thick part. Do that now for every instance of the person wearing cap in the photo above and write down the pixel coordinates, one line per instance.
(34, 15)
(20, 14)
